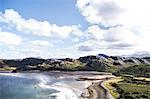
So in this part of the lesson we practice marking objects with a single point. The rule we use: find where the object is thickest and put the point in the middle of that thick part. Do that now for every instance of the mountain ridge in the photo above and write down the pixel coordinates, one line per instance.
(100, 62)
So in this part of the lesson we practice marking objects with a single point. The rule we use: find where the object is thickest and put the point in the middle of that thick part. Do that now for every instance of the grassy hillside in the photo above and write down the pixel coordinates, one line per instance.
(101, 63)
(128, 87)
(136, 70)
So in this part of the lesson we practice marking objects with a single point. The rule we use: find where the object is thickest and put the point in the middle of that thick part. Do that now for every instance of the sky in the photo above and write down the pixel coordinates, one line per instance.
(73, 28)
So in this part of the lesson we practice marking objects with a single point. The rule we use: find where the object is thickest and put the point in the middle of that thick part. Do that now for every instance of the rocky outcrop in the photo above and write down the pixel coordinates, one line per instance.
(24, 62)
(86, 59)
(2, 64)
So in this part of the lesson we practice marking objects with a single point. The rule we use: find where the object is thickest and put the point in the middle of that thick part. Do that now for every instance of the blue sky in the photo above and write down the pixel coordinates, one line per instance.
(63, 12)
(72, 28)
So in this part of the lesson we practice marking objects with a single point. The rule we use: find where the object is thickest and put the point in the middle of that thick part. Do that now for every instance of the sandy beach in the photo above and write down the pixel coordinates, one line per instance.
(81, 85)
(70, 85)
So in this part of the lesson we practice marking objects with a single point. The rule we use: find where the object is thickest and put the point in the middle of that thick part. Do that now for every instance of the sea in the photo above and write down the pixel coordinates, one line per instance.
(34, 86)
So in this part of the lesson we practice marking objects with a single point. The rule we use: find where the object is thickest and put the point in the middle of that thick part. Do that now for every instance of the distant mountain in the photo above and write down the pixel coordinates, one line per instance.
(139, 54)
(100, 62)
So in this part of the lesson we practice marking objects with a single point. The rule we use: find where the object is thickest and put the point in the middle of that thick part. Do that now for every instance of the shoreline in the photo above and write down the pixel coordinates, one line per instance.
(108, 94)
(84, 84)
(97, 90)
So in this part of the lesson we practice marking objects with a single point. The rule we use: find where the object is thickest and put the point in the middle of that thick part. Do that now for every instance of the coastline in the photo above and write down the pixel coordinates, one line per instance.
(97, 90)
(91, 89)
(84, 84)
(5, 71)
(108, 94)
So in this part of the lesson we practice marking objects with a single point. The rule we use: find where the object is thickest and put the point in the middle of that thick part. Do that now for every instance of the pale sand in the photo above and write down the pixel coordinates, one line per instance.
(74, 89)
(68, 85)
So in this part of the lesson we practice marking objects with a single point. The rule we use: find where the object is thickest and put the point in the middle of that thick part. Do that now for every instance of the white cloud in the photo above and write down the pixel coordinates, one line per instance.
(95, 33)
(85, 48)
(76, 30)
(24, 53)
(114, 12)
(1, 56)
(116, 27)
(9, 38)
(28, 26)
(40, 28)
(35, 48)
(117, 38)
(41, 43)
(124, 24)
(90, 45)
(62, 32)
(76, 39)
(121, 34)
(120, 46)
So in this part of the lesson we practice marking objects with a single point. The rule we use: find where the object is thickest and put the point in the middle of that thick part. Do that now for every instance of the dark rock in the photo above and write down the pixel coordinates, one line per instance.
(67, 59)
(129, 60)
(103, 55)
(116, 63)
(115, 57)
(87, 58)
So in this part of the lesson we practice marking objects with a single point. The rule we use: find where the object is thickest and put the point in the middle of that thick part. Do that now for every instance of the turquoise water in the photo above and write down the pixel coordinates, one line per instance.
(25, 86)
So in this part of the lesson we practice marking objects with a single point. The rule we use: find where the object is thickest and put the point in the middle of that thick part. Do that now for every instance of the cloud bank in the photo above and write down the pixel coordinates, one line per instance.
(39, 28)
(114, 27)
(119, 24)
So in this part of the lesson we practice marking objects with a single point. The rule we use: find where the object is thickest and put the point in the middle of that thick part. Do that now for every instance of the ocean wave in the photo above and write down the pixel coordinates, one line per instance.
(63, 85)
(63, 92)
(12, 74)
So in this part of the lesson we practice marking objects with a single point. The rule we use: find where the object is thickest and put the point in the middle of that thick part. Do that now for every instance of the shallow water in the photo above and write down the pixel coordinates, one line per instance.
(25, 86)
(46, 85)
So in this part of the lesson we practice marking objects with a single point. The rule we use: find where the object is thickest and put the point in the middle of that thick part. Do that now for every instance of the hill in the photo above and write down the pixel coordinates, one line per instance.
(136, 70)
(100, 62)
